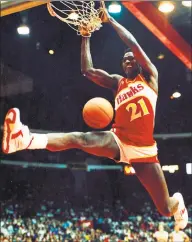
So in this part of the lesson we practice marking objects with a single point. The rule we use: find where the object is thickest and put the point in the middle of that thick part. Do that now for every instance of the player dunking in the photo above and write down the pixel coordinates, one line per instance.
(131, 138)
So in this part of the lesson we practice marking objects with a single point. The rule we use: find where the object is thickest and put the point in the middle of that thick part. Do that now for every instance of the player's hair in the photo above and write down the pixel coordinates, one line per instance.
(127, 50)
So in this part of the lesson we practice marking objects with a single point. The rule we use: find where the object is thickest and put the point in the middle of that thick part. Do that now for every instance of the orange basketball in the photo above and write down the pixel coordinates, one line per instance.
(98, 113)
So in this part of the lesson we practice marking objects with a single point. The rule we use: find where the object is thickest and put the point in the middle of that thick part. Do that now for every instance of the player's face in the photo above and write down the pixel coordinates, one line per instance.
(130, 65)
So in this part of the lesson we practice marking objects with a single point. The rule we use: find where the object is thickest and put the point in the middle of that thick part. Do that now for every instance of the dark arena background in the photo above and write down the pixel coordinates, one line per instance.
(71, 195)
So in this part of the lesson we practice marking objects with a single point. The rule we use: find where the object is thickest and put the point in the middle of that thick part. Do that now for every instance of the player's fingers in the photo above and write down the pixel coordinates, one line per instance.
(104, 15)
(102, 3)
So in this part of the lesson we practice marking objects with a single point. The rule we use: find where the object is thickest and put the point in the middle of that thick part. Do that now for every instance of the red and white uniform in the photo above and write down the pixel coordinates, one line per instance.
(135, 105)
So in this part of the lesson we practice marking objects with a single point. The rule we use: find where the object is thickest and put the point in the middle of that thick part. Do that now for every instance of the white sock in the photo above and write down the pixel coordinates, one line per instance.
(39, 141)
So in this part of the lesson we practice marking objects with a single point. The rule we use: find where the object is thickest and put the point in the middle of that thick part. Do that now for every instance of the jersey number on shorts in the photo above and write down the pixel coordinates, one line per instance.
(134, 109)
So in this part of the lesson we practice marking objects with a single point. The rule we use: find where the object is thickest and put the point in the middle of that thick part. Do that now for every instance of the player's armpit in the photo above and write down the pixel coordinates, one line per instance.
(102, 78)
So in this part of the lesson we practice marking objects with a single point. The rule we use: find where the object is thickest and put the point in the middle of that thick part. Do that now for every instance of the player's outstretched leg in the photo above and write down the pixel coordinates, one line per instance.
(17, 136)
(152, 178)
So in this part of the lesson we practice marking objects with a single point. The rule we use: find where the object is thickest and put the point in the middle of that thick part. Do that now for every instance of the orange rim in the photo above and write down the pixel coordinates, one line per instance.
(50, 9)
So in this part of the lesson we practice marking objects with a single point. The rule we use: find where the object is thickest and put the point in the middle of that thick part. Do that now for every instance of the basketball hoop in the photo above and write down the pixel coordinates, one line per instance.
(82, 16)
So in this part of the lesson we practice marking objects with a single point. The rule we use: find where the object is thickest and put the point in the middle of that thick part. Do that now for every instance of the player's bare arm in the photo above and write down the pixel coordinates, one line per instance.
(138, 52)
(100, 77)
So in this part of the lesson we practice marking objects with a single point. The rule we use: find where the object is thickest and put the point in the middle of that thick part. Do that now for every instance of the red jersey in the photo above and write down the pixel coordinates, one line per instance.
(135, 105)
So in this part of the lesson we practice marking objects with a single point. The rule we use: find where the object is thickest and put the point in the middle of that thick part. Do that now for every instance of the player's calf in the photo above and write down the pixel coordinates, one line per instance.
(65, 141)
(96, 143)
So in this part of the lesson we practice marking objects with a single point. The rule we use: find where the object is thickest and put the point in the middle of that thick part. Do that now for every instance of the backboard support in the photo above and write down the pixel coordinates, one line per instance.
(159, 25)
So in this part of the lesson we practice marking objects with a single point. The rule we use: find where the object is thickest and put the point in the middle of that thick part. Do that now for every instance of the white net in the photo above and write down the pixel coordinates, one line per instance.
(82, 16)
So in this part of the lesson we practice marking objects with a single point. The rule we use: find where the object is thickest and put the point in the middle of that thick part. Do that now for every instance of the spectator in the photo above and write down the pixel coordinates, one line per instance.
(178, 235)
(161, 235)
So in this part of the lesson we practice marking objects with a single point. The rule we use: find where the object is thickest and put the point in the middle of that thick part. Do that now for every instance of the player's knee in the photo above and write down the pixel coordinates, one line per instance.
(76, 139)
(82, 139)
(79, 139)
(86, 140)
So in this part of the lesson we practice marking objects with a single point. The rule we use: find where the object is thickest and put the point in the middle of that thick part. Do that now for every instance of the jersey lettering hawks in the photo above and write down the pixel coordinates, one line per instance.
(135, 105)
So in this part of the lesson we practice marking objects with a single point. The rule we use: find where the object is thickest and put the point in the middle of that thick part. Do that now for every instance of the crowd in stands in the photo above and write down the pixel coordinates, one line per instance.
(93, 223)
(54, 205)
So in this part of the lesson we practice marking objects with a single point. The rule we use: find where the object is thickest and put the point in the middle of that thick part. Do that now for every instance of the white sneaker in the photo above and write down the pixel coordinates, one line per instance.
(16, 136)
(181, 215)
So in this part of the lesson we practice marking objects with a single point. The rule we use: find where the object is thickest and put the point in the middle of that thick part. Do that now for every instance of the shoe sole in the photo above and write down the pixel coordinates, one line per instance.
(8, 127)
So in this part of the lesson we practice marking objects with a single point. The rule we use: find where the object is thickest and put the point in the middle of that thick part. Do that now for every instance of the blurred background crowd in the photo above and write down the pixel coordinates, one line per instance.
(74, 205)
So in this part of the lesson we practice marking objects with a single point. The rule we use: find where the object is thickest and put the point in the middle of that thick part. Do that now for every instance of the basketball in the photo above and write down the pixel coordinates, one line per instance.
(98, 113)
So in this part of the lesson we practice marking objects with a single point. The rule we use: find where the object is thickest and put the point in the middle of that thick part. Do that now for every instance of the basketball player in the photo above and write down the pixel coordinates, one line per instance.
(131, 138)
(178, 236)
(161, 235)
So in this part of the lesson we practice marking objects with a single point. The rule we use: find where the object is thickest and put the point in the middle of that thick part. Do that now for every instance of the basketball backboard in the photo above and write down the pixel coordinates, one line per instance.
(10, 7)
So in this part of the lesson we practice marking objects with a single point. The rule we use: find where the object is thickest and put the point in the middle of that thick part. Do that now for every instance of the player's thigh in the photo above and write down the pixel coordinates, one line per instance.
(100, 143)
(153, 179)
